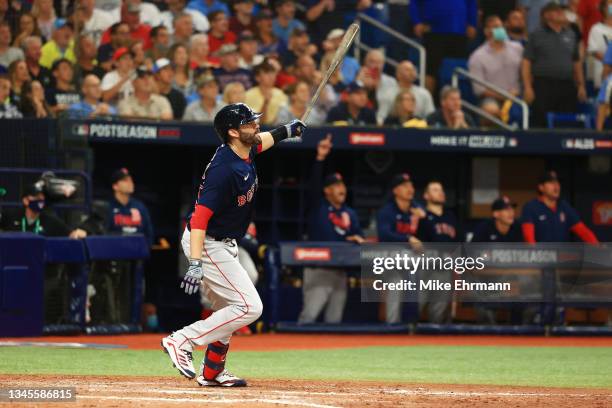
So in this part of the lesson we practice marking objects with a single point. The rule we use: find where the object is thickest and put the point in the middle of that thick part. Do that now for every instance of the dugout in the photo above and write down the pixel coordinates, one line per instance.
(166, 160)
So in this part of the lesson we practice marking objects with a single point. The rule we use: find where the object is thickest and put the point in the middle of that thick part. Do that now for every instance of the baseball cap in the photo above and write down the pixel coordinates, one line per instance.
(264, 14)
(332, 179)
(502, 203)
(354, 87)
(120, 52)
(32, 190)
(204, 79)
(246, 35)
(133, 7)
(61, 23)
(335, 33)
(160, 64)
(550, 6)
(227, 49)
(298, 31)
(399, 179)
(550, 175)
(119, 175)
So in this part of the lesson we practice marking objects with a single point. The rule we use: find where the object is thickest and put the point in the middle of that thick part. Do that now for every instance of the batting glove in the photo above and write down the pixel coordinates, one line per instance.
(193, 277)
(295, 128)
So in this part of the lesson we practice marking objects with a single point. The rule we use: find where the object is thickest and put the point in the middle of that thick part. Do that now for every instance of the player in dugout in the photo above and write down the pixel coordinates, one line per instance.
(502, 226)
(398, 221)
(548, 218)
(330, 219)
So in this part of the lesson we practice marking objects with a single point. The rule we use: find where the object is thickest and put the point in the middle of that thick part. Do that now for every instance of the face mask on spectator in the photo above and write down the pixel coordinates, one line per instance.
(499, 34)
(571, 16)
(36, 205)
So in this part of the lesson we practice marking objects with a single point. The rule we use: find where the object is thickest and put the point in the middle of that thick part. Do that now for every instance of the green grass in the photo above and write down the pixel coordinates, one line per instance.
(529, 366)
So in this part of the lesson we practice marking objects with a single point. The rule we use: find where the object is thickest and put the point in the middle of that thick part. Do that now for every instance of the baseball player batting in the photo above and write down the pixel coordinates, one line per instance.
(221, 216)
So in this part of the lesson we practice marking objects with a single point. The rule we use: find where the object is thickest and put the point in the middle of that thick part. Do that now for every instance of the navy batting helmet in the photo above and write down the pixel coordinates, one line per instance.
(231, 117)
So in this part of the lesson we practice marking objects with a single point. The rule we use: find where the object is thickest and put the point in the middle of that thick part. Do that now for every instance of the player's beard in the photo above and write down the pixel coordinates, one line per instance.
(248, 138)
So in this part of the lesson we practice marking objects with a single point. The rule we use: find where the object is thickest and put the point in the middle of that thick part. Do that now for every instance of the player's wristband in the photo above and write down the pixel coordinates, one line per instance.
(279, 134)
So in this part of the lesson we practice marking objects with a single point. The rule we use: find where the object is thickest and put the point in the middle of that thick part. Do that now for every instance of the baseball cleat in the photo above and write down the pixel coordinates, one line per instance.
(223, 379)
(182, 360)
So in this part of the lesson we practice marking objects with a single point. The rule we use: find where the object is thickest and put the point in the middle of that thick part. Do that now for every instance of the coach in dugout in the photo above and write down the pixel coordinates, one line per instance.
(127, 215)
(330, 219)
(397, 221)
(547, 218)
(438, 226)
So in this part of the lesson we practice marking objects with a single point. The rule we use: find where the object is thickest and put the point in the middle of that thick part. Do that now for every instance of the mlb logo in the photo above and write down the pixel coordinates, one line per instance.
(81, 130)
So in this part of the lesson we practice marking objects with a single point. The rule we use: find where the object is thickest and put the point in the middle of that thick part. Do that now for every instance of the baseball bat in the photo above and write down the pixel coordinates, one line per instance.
(345, 44)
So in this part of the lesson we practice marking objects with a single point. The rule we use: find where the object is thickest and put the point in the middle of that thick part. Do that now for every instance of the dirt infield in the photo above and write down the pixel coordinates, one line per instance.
(277, 341)
(172, 391)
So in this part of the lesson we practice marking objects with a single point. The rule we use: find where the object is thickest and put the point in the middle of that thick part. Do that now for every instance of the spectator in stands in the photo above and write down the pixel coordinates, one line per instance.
(589, 12)
(285, 22)
(242, 19)
(234, 92)
(164, 73)
(269, 44)
(86, 60)
(599, 37)
(94, 21)
(330, 219)
(183, 29)
(265, 97)
(126, 214)
(406, 74)
(61, 46)
(229, 70)
(209, 6)
(8, 54)
(502, 227)
(160, 43)
(138, 54)
(32, 218)
(533, 11)
(176, 7)
(183, 75)
(551, 70)
(130, 15)
(7, 109)
(381, 87)
(144, 103)
(44, 13)
(516, 27)
(445, 28)
(199, 54)
(403, 110)
(219, 33)
(119, 38)
(32, 50)
(604, 120)
(205, 109)
(450, 115)
(349, 67)
(33, 103)
(398, 221)
(27, 28)
(63, 94)
(336, 81)
(117, 84)
(299, 44)
(18, 72)
(438, 226)
(548, 218)
(247, 50)
(299, 96)
(497, 61)
(322, 16)
(353, 111)
(490, 106)
(91, 105)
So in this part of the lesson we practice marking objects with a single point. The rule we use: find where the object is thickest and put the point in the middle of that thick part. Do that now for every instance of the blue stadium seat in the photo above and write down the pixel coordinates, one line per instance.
(569, 120)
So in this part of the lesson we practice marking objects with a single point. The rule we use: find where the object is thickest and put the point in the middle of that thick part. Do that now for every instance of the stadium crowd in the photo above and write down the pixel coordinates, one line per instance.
(179, 59)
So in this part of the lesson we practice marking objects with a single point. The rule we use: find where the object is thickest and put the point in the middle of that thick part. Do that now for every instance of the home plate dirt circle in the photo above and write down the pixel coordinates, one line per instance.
(123, 391)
